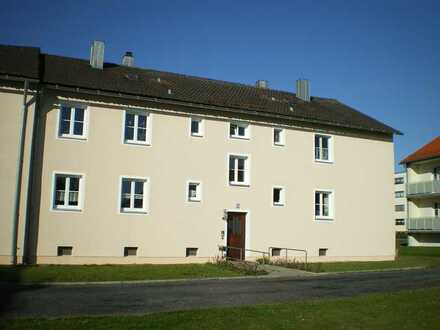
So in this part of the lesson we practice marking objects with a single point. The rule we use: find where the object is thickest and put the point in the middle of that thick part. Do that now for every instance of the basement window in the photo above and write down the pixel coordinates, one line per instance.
(64, 251)
(276, 252)
(191, 252)
(130, 251)
(322, 252)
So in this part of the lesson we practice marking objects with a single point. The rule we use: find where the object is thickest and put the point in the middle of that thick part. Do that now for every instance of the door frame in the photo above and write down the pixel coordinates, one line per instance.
(247, 231)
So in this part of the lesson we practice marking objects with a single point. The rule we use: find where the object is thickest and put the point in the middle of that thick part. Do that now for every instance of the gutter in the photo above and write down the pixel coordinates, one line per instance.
(18, 178)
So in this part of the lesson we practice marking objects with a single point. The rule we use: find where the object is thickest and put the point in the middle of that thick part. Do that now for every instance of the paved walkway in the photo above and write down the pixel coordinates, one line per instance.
(140, 298)
(277, 271)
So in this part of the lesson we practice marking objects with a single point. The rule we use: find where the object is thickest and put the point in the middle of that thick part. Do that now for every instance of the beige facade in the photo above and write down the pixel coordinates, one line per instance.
(359, 176)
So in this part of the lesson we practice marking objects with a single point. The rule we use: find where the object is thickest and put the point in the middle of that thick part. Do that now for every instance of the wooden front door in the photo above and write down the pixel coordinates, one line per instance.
(236, 235)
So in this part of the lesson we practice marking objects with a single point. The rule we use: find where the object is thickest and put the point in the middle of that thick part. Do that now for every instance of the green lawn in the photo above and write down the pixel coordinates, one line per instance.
(418, 309)
(60, 273)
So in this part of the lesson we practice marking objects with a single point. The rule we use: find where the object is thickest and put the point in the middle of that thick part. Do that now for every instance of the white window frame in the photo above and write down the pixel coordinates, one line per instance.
(247, 169)
(282, 141)
(199, 191)
(81, 191)
(247, 130)
(148, 132)
(201, 132)
(331, 208)
(330, 148)
(282, 201)
(146, 197)
(71, 135)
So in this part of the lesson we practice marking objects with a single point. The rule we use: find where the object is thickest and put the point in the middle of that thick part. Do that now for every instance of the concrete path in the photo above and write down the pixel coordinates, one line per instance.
(277, 271)
(140, 298)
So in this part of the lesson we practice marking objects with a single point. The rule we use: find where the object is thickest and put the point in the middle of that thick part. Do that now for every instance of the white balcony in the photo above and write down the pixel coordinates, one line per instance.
(423, 188)
(424, 224)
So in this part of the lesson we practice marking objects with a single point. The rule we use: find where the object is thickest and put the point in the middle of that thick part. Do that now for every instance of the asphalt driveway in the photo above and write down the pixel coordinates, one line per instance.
(141, 298)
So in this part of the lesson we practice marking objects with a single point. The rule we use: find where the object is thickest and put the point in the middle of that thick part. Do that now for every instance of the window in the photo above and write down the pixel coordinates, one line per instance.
(196, 127)
(436, 173)
(191, 252)
(276, 252)
(133, 195)
(137, 127)
(399, 194)
(239, 170)
(399, 208)
(436, 209)
(323, 147)
(130, 251)
(322, 252)
(324, 204)
(239, 130)
(64, 251)
(67, 191)
(72, 122)
(194, 191)
(278, 136)
(400, 222)
(399, 180)
(278, 196)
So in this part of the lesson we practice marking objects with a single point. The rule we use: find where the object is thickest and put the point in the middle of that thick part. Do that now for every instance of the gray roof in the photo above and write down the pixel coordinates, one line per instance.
(72, 72)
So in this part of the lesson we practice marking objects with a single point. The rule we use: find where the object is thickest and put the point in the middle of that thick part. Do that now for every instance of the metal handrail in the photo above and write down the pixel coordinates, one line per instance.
(288, 249)
(258, 251)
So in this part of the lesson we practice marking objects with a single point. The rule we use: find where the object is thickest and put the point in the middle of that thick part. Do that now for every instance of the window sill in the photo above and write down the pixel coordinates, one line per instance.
(278, 204)
(239, 137)
(133, 211)
(138, 143)
(324, 219)
(194, 200)
(197, 135)
(324, 161)
(67, 209)
(279, 144)
(72, 137)
(242, 184)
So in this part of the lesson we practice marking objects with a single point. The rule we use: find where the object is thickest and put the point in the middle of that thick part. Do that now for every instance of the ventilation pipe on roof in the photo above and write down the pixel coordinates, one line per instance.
(262, 84)
(128, 59)
(303, 89)
(97, 55)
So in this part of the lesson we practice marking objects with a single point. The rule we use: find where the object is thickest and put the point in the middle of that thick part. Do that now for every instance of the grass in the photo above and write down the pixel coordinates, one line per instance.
(417, 309)
(408, 257)
(59, 273)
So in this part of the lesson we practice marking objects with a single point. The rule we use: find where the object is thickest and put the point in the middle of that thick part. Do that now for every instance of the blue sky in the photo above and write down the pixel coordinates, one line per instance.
(381, 57)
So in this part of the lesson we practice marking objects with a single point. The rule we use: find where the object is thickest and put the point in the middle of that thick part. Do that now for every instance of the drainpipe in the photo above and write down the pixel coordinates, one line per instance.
(16, 215)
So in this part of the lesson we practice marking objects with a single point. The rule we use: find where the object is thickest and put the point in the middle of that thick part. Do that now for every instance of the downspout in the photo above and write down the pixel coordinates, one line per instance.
(16, 214)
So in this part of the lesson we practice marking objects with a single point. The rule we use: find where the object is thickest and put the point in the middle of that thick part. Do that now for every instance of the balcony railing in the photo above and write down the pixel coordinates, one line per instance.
(423, 188)
(425, 224)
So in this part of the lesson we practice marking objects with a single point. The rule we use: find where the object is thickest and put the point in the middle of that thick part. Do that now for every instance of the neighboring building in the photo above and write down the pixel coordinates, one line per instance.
(423, 193)
(118, 164)
(400, 201)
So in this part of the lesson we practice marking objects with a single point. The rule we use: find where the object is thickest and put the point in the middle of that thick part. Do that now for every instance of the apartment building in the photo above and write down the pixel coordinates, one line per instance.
(400, 201)
(111, 163)
(423, 194)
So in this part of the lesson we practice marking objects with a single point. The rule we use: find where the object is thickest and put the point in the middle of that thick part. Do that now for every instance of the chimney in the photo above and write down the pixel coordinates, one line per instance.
(97, 55)
(303, 89)
(264, 84)
(128, 59)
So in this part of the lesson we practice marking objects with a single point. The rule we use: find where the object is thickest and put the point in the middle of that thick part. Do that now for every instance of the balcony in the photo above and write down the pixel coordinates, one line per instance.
(424, 224)
(423, 188)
